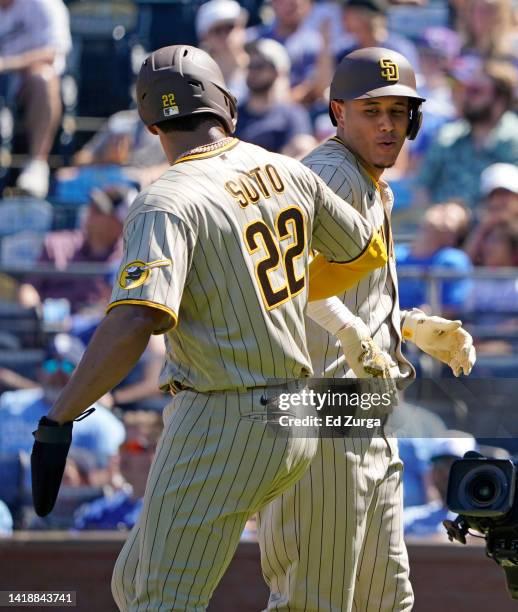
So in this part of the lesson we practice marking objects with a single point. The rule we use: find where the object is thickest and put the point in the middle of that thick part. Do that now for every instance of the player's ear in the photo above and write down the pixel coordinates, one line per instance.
(337, 106)
(152, 129)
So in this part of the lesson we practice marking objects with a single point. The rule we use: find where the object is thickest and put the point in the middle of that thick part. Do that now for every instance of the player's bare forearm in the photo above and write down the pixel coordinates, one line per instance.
(115, 348)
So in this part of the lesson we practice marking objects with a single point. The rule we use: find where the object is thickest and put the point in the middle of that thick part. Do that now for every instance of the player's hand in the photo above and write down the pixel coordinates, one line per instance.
(445, 340)
(364, 356)
(48, 459)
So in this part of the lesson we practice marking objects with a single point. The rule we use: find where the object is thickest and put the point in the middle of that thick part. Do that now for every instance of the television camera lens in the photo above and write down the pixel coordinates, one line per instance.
(483, 487)
(484, 490)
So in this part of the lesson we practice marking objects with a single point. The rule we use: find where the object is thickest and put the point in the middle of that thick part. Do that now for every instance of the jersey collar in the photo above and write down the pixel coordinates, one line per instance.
(352, 157)
(208, 150)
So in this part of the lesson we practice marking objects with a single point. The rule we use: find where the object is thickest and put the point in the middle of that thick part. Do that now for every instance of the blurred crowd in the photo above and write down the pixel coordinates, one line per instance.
(66, 190)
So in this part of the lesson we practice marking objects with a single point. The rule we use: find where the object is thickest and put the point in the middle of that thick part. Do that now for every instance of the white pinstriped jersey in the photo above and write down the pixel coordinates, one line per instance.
(375, 298)
(221, 243)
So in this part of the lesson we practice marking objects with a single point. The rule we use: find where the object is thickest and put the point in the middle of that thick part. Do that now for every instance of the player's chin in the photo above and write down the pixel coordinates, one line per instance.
(386, 160)
(385, 157)
(382, 164)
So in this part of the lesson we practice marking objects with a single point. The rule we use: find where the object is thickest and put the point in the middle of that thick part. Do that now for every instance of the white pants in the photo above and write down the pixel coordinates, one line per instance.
(334, 541)
(216, 464)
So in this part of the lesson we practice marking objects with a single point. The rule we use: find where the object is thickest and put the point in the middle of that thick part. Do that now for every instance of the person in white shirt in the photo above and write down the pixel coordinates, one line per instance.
(34, 41)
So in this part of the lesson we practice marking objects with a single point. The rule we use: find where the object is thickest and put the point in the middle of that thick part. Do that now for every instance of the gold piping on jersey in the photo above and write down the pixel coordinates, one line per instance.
(327, 278)
(212, 152)
(171, 313)
(373, 179)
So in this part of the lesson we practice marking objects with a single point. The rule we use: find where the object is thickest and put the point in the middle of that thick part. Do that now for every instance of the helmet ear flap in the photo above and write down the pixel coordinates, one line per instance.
(415, 118)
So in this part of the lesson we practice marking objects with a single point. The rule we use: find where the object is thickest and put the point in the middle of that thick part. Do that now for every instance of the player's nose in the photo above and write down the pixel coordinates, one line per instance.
(386, 123)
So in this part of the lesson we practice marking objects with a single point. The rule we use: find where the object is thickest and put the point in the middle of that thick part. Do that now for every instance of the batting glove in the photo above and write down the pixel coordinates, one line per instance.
(445, 340)
(363, 355)
(48, 459)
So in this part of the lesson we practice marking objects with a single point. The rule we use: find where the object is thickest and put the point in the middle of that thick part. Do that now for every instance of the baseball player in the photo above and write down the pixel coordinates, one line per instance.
(334, 541)
(215, 258)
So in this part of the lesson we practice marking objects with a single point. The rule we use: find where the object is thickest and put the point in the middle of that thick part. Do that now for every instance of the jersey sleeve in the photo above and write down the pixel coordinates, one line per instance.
(327, 279)
(340, 233)
(338, 180)
(157, 256)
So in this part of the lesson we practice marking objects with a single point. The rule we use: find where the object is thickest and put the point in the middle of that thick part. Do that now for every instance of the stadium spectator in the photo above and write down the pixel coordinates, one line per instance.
(486, 133)
(489, 29)
(220, 27)
(140, 389)
(73, 185)
(437, 245)
(437, 48)
(101, 433)
(499, 191)
(500, 247)
(499, 187)
(99, 241)
(490, 297)
(34, 41)
(328, 14)
(309, 50)
(366, 20)
(82, 482)
(300, 146)
(267, 118)
(6, 521)
(121, 510)
(426, 520)
(415, 429)
(122, 140)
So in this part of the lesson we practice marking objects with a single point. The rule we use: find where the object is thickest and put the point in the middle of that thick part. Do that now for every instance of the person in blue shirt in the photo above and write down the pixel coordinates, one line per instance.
(415, 428)
(426, 520)
(485, 133)
(121, 510)
(267, 118)
(6, 520)
(101, 434)
(366, 21)
(308, 47)
(442, 231)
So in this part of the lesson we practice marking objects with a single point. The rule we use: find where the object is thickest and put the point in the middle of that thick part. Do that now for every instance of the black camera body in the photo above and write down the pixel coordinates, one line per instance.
(482, 492)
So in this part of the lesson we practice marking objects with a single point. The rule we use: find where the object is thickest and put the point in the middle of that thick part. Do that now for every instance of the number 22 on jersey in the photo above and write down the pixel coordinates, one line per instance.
(289, 225)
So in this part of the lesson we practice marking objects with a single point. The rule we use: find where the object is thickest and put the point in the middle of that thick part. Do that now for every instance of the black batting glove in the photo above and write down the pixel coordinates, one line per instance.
(48, 458)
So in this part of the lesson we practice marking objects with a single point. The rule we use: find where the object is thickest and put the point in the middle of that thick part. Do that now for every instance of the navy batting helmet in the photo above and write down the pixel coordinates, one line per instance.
(179, 81)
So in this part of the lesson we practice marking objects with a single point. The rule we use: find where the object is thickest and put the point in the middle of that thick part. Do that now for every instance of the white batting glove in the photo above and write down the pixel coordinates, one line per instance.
(364, 356)
(445, 340)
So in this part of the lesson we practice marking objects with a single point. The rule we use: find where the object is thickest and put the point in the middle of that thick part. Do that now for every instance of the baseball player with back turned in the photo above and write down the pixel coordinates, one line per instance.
(334, 541)
(215, 257)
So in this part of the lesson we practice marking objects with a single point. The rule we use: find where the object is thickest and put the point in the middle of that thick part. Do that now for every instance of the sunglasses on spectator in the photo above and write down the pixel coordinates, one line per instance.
(51, 366)
(135, 446)
(223, 28)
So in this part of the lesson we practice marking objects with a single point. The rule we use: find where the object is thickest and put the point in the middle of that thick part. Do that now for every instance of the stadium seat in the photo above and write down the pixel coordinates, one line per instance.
(22, 323)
